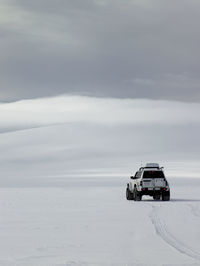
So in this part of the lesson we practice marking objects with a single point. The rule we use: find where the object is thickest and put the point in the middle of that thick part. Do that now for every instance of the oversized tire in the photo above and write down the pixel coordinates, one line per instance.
(166, 196)
(137, 195)
(156, 197)
(129, 195)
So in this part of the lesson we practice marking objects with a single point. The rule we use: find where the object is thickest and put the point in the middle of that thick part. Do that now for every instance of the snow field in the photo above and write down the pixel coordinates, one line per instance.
(89, 222)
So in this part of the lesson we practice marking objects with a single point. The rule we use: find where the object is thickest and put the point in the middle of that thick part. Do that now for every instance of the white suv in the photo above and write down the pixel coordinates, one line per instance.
(149, 180)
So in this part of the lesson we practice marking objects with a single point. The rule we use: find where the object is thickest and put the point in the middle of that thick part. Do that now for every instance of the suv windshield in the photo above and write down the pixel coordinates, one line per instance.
(153, 174)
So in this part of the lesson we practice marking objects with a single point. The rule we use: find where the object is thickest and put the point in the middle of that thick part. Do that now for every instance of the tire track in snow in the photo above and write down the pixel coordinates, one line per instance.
(194, 210)
(162, 231)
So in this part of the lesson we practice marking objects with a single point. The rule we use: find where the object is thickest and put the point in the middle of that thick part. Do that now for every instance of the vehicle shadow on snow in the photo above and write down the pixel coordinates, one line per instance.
(173, 200)
(186, 200)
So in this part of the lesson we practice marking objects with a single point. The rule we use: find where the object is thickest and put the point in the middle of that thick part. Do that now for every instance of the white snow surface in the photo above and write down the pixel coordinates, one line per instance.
(64, 165)
(87, 221)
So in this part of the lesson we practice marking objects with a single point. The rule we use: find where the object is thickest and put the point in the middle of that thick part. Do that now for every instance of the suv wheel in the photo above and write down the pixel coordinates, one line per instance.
(137, 195)
(166, 196)
(129, 195)
(156, 197)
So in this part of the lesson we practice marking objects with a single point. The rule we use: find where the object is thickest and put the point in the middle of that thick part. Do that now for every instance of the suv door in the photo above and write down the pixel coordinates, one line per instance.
(153, 179)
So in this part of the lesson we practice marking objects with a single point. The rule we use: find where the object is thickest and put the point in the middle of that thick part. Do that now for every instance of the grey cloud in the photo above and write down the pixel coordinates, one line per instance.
(121, 48)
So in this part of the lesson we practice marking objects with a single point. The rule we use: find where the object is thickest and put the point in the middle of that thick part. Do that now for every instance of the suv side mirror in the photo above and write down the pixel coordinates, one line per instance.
(132, 177)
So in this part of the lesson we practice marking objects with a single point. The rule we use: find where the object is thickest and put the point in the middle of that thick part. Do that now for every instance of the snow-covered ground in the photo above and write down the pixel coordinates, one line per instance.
(87, 221)
(64, 165)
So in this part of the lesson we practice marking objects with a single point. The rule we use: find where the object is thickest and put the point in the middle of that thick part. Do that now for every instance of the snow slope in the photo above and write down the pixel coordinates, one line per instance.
(62, 187)
(88, 221)
(75, 135)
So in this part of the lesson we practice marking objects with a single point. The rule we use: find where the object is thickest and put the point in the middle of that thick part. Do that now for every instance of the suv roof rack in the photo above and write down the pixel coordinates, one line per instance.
(152, 165)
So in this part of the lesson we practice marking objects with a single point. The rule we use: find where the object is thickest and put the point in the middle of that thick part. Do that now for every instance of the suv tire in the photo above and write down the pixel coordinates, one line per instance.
(166, 196)
(156, 197)
(129, 195)
(137, 195)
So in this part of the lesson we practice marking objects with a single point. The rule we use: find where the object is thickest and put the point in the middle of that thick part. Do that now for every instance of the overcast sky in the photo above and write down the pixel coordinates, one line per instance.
(116, 82)
(115, 48)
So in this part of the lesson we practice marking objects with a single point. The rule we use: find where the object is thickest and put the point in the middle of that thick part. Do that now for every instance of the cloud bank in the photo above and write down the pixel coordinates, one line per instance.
(103, 111)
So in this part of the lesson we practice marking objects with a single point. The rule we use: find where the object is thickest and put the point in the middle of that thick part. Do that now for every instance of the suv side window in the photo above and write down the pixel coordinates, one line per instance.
(138, 175)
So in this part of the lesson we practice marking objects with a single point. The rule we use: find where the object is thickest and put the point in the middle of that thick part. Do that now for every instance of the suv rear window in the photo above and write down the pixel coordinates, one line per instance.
(153, 174)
